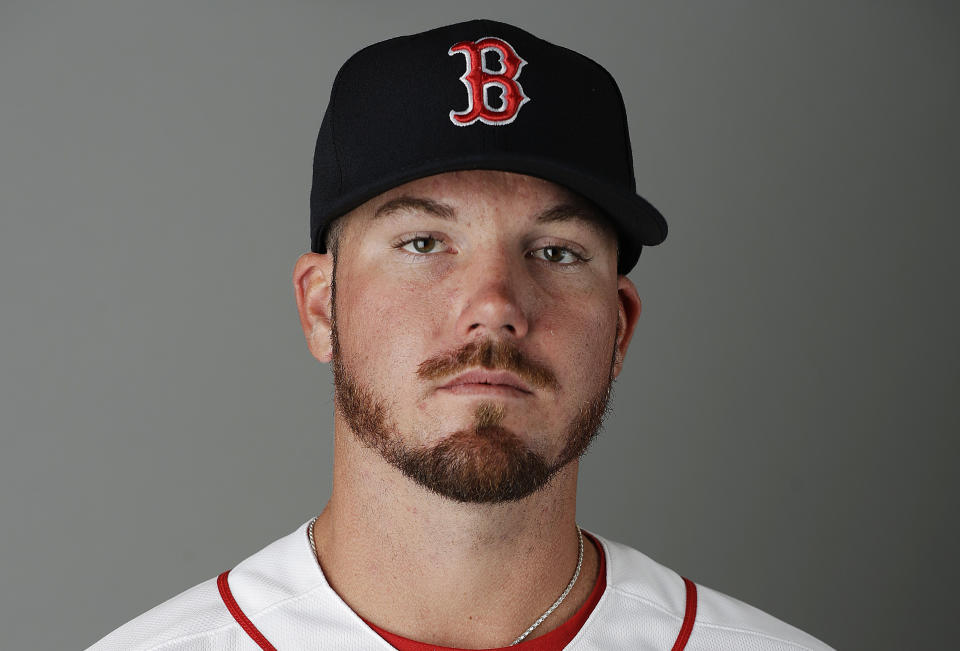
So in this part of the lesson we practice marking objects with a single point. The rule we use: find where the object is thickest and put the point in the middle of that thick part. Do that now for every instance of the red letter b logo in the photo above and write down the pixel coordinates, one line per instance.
(479, 79)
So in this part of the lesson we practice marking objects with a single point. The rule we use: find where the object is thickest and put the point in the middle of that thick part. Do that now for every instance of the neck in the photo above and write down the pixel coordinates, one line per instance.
(469, 574)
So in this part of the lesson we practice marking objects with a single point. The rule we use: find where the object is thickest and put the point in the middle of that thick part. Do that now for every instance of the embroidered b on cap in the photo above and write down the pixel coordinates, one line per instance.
(479, 80)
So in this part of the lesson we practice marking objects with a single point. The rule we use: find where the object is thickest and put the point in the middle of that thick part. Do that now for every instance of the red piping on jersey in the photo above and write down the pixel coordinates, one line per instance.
(238, 615)
(689, 616)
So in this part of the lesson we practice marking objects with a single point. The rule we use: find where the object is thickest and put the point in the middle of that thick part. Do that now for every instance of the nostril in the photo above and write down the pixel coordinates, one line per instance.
(506, 326)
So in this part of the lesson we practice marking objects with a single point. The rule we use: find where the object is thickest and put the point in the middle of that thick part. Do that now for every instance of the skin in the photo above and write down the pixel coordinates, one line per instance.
(468, 574)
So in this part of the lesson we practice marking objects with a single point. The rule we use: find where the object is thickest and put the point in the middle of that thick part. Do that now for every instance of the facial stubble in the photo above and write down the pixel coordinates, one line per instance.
(485, 463)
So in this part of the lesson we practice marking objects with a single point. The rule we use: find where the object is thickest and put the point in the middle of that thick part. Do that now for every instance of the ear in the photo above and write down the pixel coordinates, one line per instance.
(312, 278)
(628, 313)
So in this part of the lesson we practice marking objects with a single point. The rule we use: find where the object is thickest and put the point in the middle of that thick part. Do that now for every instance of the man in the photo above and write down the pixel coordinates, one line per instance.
(473, 216)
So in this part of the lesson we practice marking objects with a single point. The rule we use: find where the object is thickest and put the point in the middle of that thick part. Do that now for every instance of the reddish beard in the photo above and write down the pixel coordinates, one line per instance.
(485, 463)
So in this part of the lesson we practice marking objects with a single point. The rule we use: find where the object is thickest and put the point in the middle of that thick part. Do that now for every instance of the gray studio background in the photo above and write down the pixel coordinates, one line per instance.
(784, 431)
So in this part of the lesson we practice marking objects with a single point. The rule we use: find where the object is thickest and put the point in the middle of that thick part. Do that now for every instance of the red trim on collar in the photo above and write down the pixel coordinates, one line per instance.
(689, 616)
(555, 639)
(238, 614)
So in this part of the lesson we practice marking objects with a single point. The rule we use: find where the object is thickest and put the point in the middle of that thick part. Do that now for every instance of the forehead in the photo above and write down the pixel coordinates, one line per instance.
(472, 191)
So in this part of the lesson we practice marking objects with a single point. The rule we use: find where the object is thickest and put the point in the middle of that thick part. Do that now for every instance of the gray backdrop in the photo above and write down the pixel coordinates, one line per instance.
(785, 427)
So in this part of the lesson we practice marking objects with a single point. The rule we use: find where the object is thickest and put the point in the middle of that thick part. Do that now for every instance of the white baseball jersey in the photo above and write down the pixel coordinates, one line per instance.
(279, 599)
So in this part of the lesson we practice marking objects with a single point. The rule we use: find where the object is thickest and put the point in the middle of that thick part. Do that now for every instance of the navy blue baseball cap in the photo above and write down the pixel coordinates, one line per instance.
(478, 95)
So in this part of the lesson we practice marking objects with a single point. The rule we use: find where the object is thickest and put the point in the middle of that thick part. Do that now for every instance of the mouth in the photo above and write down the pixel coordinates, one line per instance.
(489, 383)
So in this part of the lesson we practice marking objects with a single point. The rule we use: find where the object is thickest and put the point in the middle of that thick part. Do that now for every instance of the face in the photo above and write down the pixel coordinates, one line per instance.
(477, 323)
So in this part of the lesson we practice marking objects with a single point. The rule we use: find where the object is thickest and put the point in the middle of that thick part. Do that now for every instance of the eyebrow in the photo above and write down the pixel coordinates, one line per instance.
(415, 204)
(579, 212)
(566, 212)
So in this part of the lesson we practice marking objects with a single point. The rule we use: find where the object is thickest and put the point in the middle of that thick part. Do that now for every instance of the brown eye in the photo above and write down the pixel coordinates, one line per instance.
(422, 245)
(556, 254)
(553, 253)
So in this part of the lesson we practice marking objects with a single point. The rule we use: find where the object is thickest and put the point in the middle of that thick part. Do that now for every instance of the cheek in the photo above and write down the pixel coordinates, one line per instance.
(389, 326)
(582, 341)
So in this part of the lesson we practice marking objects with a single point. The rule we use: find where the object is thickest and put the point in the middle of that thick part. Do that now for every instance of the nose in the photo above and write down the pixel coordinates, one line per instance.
(492, 301)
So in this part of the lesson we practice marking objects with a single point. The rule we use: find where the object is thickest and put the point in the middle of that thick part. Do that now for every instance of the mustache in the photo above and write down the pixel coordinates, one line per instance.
(490, 354)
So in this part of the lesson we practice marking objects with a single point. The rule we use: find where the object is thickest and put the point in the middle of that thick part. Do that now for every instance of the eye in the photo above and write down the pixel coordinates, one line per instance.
(557, 254)
(421, 245)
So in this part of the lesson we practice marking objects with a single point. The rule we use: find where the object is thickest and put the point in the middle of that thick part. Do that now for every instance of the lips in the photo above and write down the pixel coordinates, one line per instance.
(481, 380)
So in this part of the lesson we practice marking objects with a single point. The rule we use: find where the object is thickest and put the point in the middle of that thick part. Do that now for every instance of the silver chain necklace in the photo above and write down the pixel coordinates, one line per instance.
(563, 596)
(576, 574)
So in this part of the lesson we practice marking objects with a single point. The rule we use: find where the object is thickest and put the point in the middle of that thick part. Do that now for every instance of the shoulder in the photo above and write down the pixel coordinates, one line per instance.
(644, 594)
(198, 618)
(178, 623)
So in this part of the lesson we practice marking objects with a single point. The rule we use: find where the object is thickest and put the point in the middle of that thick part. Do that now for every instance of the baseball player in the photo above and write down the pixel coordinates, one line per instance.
(473, 218)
